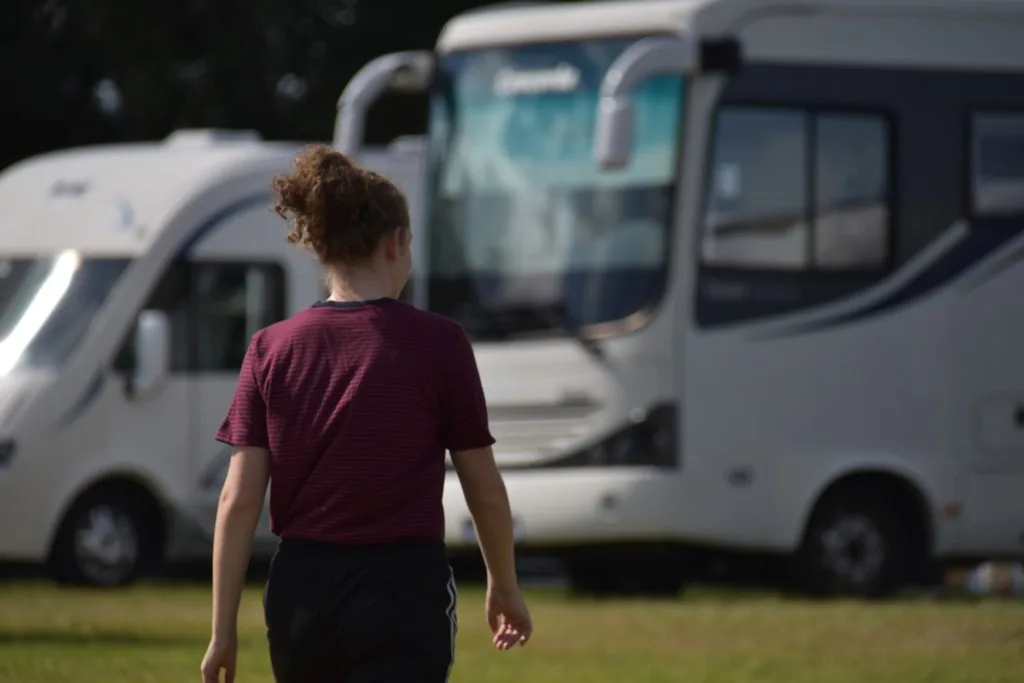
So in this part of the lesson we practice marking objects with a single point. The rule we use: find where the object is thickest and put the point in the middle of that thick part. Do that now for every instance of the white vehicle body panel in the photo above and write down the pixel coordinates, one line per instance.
(789, 404)
(193, 198)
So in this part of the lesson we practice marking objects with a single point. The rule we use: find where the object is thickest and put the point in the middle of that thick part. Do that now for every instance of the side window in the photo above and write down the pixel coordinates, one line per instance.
(997, 164)
(796, 190)
(233, 301)
(172, 295)
(757, 208)
(851, 191)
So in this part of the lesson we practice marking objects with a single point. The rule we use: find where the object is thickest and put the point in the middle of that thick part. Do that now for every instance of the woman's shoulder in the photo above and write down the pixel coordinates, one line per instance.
(429, 322)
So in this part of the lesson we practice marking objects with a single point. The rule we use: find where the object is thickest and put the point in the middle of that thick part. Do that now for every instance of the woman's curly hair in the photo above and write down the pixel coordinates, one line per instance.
(335, 208)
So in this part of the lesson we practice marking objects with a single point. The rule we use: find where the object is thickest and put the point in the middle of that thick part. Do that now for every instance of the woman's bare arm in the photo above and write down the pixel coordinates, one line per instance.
(488, 503)
(238, 513)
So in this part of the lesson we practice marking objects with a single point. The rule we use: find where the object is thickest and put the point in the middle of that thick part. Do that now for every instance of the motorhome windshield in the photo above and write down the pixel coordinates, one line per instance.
(522, 219)
(47, 304)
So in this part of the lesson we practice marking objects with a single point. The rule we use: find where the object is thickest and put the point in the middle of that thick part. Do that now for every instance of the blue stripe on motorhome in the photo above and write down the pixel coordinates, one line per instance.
(213, 222)
(93, 390)
(1004, 262)
(979, 244)
(91, 393)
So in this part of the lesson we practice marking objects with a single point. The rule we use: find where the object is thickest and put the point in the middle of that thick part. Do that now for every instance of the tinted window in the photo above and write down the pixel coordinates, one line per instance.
(757, 209)
(998, 163)
(214, 309)
(851, 188)
(173, 296)
(791, 190)
(48, 304)
(527, 234)
(233, 302)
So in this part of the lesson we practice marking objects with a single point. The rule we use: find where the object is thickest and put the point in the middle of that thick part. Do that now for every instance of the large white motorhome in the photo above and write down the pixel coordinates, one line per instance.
(131, 280)
(740, 274)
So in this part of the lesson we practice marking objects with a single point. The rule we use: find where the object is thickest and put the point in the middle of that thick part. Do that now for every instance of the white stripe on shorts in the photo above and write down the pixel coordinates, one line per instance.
(453, 619)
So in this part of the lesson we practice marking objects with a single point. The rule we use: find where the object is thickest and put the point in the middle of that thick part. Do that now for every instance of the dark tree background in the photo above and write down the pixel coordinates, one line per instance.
(90, 71)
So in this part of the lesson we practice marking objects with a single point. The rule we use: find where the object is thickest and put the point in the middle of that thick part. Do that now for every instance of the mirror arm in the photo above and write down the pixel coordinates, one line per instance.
(646, 58)
(369, 83)
(613, 135)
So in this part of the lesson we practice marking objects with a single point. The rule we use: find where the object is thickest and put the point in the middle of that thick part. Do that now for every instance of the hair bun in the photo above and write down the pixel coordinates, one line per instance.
(337, 208)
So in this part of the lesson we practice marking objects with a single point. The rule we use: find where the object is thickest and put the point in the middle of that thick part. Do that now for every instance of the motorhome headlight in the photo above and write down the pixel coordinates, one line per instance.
(649, 440)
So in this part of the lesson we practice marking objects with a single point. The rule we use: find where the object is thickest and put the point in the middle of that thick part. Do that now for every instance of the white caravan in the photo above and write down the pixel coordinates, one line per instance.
(131, 279)
(741, 274)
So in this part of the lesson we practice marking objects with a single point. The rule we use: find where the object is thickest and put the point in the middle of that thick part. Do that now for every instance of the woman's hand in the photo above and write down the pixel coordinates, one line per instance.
(220, 656)
(508, 617)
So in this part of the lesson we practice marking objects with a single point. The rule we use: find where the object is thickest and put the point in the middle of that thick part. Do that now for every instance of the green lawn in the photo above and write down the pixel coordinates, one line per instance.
(157, 634)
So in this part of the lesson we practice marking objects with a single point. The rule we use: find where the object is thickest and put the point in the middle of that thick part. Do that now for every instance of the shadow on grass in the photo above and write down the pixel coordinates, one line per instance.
(56, 637)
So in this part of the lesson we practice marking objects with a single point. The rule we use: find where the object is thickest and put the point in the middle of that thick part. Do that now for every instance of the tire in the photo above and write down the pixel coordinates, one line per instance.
(855, 546)
(105, 540)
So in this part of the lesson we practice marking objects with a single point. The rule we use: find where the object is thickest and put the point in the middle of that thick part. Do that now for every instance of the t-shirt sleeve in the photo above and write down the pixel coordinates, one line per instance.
(246, 421)
(464, 409)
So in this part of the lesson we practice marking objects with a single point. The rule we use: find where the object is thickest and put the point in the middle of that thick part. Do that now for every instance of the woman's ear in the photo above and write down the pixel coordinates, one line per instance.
(392, 246)
(398, 244)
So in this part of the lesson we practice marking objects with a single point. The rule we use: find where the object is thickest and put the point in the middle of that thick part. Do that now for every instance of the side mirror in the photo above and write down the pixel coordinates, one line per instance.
(152, 352)
(613, 134)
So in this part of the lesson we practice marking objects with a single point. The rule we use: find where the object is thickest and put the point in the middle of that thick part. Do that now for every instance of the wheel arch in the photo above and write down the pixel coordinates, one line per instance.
(903, 489)
(124, 482)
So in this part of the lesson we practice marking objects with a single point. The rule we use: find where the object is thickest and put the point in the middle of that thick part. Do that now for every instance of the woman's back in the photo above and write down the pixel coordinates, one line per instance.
(345, 412)
(359, 400)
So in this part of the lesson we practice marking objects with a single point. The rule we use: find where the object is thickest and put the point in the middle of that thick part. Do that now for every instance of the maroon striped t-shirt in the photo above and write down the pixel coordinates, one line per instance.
(357, 403)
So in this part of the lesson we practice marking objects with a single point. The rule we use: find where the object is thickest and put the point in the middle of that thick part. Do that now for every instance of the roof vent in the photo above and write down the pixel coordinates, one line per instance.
(210, 137)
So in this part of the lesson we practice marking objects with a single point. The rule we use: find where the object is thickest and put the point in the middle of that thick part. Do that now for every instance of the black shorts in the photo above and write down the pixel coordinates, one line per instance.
(380, 614)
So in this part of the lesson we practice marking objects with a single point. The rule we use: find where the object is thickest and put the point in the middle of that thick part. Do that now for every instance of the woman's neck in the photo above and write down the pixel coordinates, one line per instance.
(365, 286)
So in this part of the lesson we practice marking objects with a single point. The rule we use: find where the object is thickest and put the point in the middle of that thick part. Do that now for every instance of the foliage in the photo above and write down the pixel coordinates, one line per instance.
(90, 71)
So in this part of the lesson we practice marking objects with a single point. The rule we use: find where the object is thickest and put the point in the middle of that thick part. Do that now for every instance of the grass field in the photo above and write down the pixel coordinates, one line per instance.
(157, 634)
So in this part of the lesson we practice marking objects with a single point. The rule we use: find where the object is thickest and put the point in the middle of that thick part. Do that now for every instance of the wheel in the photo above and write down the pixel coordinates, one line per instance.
(856, 546)
(106, 539)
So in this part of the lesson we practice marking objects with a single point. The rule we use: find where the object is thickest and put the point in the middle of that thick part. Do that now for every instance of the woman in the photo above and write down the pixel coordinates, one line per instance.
(348, 408)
